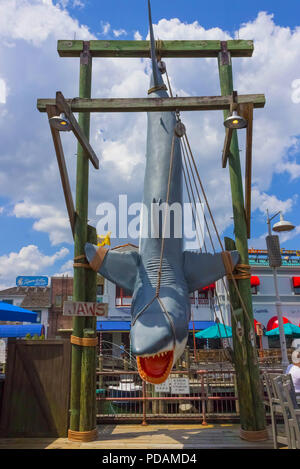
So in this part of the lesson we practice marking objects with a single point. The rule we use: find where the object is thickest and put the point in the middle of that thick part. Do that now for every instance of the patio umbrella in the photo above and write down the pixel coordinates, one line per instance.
(289, 329)
(10, 312)
(218, 331)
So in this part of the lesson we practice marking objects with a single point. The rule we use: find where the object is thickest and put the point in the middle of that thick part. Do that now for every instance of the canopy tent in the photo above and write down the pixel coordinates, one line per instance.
(21, 330)
(273, 322)
(289, 329)
(218, 331)
(10, 312)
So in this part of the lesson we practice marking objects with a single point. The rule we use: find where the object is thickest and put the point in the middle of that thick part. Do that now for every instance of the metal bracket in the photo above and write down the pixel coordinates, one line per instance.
(85, 55)
(225, 58)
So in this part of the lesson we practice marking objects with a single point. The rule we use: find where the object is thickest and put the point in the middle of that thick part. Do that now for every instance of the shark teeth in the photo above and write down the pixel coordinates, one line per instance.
(155, 379)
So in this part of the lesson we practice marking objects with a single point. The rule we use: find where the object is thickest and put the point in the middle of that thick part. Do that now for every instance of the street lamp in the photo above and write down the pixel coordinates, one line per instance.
(274, 253)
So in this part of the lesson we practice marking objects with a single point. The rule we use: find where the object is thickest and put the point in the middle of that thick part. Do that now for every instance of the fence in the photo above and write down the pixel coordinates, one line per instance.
(198, 395)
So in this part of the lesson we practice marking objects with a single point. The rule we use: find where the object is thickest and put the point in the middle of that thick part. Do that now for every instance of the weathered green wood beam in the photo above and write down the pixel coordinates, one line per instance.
(63, 106)
(237, 48)
(195, 103)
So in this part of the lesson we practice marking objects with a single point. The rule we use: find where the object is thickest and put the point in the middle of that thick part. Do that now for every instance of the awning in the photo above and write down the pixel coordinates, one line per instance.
(273, 322)
(123, 326)
(217, 331)
(254, 281)
(200, 325)
(113, 326)
(21, 330)
(289, 329)
(212, 286)
(296, 281)
(13, 313)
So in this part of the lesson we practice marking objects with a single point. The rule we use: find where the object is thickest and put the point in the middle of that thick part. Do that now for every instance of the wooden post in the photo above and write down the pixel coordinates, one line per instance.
(80, 238)
(252, 413)
(88, 386)
(89, 364)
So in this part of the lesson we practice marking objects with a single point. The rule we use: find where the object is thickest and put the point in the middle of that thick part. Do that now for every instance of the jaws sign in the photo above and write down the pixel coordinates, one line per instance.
(83, 308)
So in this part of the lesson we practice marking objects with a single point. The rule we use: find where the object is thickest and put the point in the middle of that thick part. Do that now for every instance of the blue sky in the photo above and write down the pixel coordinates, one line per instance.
(34, 233)
(131, 15)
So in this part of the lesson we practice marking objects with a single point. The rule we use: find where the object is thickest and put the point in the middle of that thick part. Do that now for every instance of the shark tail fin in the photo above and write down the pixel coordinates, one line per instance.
(156, 74)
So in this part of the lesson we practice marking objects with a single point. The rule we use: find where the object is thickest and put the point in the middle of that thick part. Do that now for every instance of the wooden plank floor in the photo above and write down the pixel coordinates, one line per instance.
(163, 436)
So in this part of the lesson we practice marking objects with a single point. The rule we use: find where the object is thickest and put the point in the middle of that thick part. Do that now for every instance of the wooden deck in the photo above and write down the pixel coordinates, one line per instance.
(177, 436)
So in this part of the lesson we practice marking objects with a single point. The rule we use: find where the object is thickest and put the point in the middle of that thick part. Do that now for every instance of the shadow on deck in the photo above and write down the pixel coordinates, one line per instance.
(177, 436)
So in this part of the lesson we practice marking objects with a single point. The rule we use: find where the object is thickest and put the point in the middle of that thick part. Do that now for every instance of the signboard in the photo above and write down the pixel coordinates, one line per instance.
(174, 386)
(83, 308)
(180, 386)
(31, 281)
(163, 387)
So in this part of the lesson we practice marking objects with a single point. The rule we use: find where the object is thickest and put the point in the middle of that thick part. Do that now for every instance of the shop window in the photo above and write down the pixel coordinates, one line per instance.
(296, 285)
(38, 315)
(58, 300)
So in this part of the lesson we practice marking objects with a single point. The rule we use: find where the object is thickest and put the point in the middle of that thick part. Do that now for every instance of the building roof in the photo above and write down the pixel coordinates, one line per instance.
(34, 297)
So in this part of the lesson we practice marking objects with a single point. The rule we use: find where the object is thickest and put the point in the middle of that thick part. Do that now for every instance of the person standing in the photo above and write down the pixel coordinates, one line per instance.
(294, 369)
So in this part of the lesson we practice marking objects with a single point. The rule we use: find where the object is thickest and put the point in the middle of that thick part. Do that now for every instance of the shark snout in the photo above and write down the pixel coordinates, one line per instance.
(151, 337)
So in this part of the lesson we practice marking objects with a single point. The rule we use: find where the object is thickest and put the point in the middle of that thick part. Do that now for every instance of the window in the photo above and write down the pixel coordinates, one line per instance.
(58, 300)
(99, 289)
(10, 302)
(296, 285)
(70, 298)
(254, 282)
(38, 315)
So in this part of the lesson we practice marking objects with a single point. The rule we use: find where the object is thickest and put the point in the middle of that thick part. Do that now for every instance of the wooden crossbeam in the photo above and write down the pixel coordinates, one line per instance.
(53, 111)
(211, 48)
(196, 103)
(63, 106)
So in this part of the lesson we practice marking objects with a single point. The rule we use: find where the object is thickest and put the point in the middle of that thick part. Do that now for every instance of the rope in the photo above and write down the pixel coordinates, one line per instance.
(84, 341)
(159, 272)
(89, 435)
(202, 234)
(84, 265)
(157, 88)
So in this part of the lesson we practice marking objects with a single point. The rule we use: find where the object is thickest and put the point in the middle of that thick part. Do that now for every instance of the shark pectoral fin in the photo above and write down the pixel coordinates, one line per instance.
(201, 269)
(118, 267)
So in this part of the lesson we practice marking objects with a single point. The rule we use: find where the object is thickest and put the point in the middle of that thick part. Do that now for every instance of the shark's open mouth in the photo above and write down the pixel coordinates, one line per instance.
(155, 368)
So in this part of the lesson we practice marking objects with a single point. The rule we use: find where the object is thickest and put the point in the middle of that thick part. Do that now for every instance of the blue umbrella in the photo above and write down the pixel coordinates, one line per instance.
(10, 312)
(215, 332)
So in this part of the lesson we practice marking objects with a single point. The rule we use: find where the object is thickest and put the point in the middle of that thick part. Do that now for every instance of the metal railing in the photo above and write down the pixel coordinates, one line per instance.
(211, 395)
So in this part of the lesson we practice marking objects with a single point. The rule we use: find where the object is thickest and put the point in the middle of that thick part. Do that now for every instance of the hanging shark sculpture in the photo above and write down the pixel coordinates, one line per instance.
(160, 317)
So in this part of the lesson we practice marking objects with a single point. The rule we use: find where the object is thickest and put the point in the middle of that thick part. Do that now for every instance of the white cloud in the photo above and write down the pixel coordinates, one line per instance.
(119, 32)
(137, 36)
(36, 20)
(263, 202)
(29, 172)
(3, 91)
(50, 220)
(105, 27)
(28, 261)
